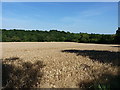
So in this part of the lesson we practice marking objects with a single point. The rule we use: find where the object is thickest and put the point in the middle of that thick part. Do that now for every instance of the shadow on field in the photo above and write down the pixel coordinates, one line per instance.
(116, 46)
(101, 56)
(19, 74)
(12, 58)
(105, 82)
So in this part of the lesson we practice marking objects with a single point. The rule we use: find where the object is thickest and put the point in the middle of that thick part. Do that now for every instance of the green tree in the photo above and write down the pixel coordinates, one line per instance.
(15, 39)
(84, 38)
(117, 37)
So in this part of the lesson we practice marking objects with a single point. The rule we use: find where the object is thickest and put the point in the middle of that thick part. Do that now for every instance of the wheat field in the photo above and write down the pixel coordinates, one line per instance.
(58, 64)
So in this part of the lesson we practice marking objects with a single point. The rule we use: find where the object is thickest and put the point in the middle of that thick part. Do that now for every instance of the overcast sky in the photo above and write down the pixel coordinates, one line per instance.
(90, 17)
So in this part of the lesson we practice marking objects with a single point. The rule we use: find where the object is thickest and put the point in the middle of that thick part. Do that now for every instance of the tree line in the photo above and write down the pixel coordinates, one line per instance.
(14, 35)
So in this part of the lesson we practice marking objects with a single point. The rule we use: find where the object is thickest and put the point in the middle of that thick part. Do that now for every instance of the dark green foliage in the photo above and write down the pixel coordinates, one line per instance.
(57, 36)
(84, 38)
(117, 37)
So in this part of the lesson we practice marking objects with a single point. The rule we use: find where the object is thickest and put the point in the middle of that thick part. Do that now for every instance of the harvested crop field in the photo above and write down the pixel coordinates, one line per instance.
(59, 64)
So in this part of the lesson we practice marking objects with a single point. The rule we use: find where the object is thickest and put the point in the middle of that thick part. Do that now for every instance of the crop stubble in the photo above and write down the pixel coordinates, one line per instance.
(67, 64)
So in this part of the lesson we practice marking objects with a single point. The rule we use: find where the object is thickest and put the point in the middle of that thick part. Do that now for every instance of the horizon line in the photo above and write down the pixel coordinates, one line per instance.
(58, 30)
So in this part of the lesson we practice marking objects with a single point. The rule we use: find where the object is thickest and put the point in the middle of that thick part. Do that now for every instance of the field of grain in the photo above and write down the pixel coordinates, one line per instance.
(58, 64)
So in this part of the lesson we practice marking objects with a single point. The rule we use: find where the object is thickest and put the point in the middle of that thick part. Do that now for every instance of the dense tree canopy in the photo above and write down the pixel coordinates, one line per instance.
(57, 36)
(117, 38)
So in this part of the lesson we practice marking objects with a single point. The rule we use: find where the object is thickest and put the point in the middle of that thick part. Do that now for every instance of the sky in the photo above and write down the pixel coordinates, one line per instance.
(90, 17)
(59, 0)
(119, 14)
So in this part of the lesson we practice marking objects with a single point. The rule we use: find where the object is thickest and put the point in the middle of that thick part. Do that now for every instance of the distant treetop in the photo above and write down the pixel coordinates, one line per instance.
(118, 31)
(118, 28)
